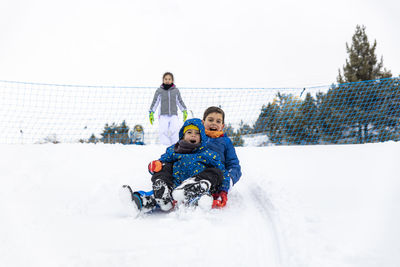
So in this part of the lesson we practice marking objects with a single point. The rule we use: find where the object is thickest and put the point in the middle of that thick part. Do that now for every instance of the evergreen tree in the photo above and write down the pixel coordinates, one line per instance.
(122, 133)
(93, 139)
(308, 117)
(108, 134)
(115, 133)
(361, 99)
(385, 119)
(235, 136)
(333, 116)
(362, 64)
(289, 118)
(269, 121)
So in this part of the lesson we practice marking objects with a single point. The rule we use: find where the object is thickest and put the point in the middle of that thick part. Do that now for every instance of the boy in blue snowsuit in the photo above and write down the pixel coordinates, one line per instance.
(185, 172)
(214, 122)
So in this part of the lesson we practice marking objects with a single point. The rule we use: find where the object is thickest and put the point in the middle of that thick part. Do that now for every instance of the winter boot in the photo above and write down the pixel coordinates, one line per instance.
(191, 190)
(139, 200)
(162, 195)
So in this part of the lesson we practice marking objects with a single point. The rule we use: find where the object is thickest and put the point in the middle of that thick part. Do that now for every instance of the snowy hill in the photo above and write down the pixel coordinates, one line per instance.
(294, 206)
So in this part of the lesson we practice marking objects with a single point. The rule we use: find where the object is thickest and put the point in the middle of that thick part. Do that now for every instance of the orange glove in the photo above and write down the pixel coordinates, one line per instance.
(220, 200)
(155, 166)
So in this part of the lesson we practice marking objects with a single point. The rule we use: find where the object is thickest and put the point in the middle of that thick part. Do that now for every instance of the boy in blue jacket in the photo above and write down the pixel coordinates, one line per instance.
(185, 172)
(214, 122)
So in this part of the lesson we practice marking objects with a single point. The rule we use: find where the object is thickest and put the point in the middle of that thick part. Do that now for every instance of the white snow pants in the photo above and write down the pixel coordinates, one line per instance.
(169, 129)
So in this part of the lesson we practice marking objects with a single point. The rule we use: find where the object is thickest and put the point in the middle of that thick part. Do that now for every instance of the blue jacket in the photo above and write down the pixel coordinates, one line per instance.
(188, 165)
(223, 145)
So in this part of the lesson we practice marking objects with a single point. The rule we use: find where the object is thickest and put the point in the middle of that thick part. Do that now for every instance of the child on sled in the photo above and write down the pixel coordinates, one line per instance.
(214, 122)
(185, 174)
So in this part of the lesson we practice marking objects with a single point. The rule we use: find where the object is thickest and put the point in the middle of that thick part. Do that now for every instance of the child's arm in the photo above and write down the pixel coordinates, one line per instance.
(216, 162)
(157, 165)
(169, 155)
(181, 105)
(154, 105)
(221, 197)
(232, 164)
(156, 101)
(179, 102)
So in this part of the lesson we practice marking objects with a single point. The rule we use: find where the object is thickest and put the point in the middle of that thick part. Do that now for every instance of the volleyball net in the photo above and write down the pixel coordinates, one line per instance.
(360, 112)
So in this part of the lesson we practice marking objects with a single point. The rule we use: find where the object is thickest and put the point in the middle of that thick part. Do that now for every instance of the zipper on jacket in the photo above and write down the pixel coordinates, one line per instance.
(169, 102)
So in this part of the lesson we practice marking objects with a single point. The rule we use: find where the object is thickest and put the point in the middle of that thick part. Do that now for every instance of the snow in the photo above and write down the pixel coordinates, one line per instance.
(308, 206)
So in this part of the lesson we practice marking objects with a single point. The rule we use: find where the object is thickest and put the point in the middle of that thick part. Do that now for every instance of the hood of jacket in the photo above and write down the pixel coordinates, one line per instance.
(199, 124)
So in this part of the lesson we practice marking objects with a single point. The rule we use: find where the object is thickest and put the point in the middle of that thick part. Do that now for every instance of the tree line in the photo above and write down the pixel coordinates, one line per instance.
(363, 107)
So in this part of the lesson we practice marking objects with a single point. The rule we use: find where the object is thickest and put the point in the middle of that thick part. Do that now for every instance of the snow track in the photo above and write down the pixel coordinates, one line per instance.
(244, 231)
(253, 221)
(259, 197)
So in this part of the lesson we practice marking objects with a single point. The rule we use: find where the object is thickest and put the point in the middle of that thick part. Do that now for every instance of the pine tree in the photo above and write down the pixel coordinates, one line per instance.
(122, 133)
(291, 120)
(114, 133)
(269, 121)
(235, 136)
(362, 64)
(93, 139)
(333, 115)
(308, 120)
(108, 134)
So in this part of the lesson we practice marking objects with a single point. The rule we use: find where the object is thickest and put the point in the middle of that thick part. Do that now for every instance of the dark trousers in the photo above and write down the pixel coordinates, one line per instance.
(214, 175)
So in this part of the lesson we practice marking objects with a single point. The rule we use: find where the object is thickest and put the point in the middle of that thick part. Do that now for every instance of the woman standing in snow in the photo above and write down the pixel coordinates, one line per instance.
(169, 97)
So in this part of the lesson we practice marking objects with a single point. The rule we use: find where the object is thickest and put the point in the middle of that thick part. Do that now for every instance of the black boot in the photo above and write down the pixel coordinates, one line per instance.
(162, 195)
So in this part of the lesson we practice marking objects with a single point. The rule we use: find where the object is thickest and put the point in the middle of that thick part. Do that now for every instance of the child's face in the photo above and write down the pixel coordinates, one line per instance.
(168, 79)
(213, 122)
(192, 136)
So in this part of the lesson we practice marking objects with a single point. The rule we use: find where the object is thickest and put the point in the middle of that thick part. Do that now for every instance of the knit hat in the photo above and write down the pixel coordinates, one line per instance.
(190, 126)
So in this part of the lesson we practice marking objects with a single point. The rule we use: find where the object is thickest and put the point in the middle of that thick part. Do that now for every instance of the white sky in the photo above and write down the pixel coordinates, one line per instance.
(209, 43)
